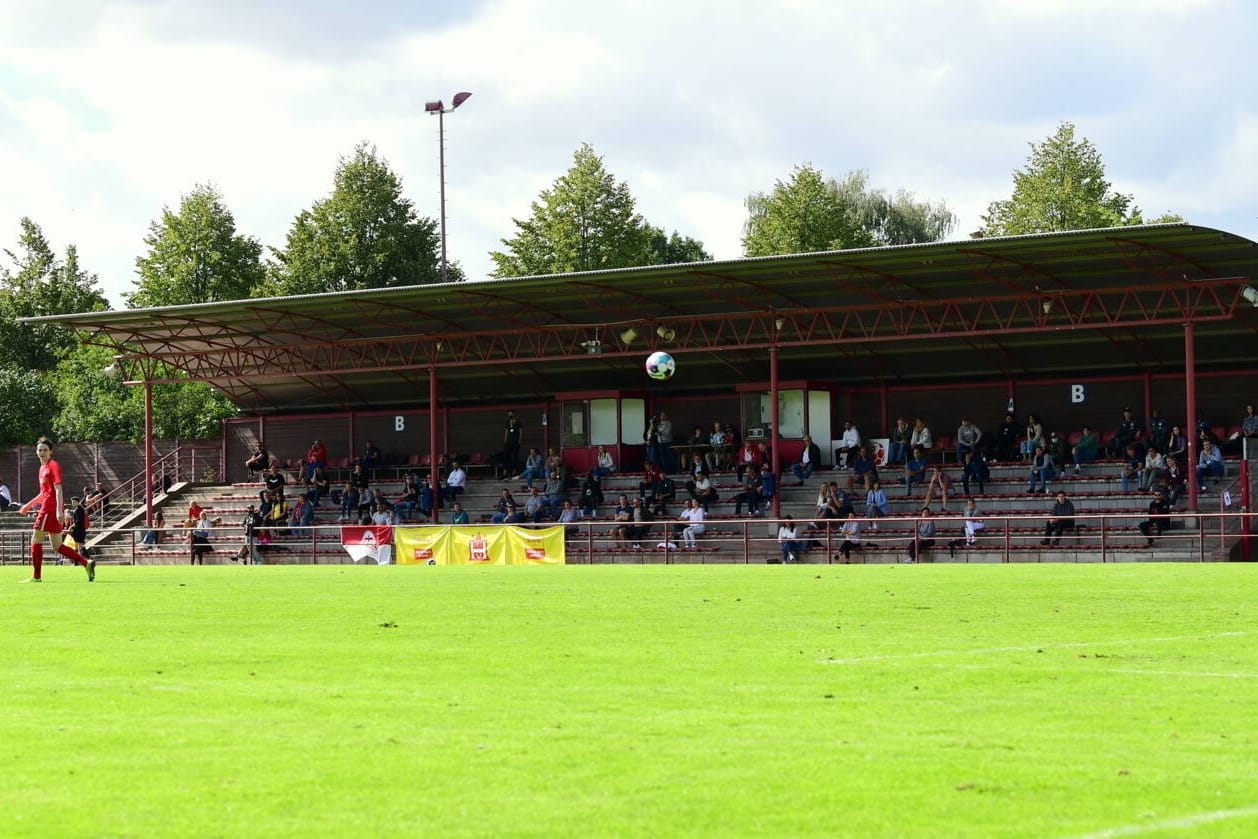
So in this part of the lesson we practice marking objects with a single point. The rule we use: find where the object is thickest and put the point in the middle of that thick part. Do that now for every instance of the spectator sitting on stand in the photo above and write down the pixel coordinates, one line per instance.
(915, 470)
(1159, 518)
(809, 460)
(257, 462)
(1086, 448)
(849, 443)
(864, 470)
(372, 456)
(939, 480)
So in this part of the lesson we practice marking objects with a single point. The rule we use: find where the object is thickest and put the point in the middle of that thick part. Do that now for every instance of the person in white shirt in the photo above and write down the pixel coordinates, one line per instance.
(6, 500)
(693, 514)
(851, 533)
(972, 522)
(456, 482)
(848, 444)
(384, 515)
(921, 435)
(788, 540)
(606, 464)
(1154, 468)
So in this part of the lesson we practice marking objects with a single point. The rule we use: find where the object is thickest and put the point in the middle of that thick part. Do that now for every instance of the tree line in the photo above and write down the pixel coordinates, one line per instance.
(366, 234)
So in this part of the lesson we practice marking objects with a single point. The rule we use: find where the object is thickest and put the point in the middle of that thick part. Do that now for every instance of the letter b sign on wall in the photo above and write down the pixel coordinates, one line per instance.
(399, 423)
(1078, 394)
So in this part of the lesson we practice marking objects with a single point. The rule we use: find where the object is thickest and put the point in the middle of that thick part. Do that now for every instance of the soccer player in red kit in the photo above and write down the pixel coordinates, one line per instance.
(47, 518)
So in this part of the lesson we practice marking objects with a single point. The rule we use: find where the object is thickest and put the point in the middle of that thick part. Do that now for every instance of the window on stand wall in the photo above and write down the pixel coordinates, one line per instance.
(575, 433)
(632, 421)
(759, 419)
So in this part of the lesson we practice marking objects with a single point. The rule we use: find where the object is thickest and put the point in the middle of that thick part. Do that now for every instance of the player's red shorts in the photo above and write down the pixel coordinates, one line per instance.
(47, 522)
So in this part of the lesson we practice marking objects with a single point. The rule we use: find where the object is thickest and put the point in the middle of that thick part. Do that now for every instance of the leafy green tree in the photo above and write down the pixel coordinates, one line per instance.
(810, 212)
(196, 255)
(27, 401)
(98, 406)
(663, 249)
(587, 221)
(1062, 187)
(37, 283)
(364, 235)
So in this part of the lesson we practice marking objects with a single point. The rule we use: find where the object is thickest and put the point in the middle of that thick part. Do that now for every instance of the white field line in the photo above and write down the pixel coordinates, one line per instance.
(1132, 671)
(1030, 648)
(1181, 823)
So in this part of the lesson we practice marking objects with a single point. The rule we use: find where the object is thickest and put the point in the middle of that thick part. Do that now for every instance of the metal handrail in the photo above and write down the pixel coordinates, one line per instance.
(1008, 534)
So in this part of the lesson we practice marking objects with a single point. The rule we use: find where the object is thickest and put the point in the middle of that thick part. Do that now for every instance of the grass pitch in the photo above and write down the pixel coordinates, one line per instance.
(1051, 700)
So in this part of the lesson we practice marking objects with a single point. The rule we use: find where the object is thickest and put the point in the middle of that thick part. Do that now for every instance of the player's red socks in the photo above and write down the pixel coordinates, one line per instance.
(72, 555)
(37, 559)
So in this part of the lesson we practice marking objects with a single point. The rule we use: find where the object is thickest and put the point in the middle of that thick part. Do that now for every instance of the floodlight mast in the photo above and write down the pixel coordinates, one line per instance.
(438, 107)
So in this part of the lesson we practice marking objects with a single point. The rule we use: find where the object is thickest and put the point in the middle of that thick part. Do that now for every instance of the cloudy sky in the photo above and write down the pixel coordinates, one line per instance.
(110, 111)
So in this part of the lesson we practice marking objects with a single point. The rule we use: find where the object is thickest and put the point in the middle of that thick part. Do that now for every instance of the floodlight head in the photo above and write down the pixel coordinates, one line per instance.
(1251, 294)
(459, 99)
(434, 107)
(665, 333)
(629, 336)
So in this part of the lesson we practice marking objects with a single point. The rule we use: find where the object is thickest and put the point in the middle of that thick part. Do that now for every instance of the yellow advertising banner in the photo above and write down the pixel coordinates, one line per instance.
(476, 544)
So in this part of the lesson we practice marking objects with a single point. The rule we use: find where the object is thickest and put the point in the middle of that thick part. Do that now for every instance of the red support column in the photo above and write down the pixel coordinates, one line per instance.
(1246, 525)
(434, 475)
(148, 453)
(775, 436)
(1190, 424)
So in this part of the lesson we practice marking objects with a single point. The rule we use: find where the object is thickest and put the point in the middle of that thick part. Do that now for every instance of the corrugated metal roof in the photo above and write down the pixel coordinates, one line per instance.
(937, 311)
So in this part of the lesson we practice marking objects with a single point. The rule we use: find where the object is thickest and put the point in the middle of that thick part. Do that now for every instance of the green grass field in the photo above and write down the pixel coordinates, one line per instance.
(986, 701)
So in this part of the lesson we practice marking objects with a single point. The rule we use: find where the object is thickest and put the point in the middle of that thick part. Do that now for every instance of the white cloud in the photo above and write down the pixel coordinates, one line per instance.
(108, 111)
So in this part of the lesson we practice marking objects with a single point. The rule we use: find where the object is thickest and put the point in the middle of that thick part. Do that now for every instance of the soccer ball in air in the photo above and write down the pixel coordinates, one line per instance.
(660, 366)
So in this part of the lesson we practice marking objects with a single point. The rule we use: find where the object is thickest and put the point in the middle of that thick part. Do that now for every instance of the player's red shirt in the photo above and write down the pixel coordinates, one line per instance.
(48, 519)
(49, 477)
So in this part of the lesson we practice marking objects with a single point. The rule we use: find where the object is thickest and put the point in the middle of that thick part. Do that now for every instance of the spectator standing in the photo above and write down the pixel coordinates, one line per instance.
(511, 444)
(1159, 430)
(664, 432)
(79, 523)
(1008, 439)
